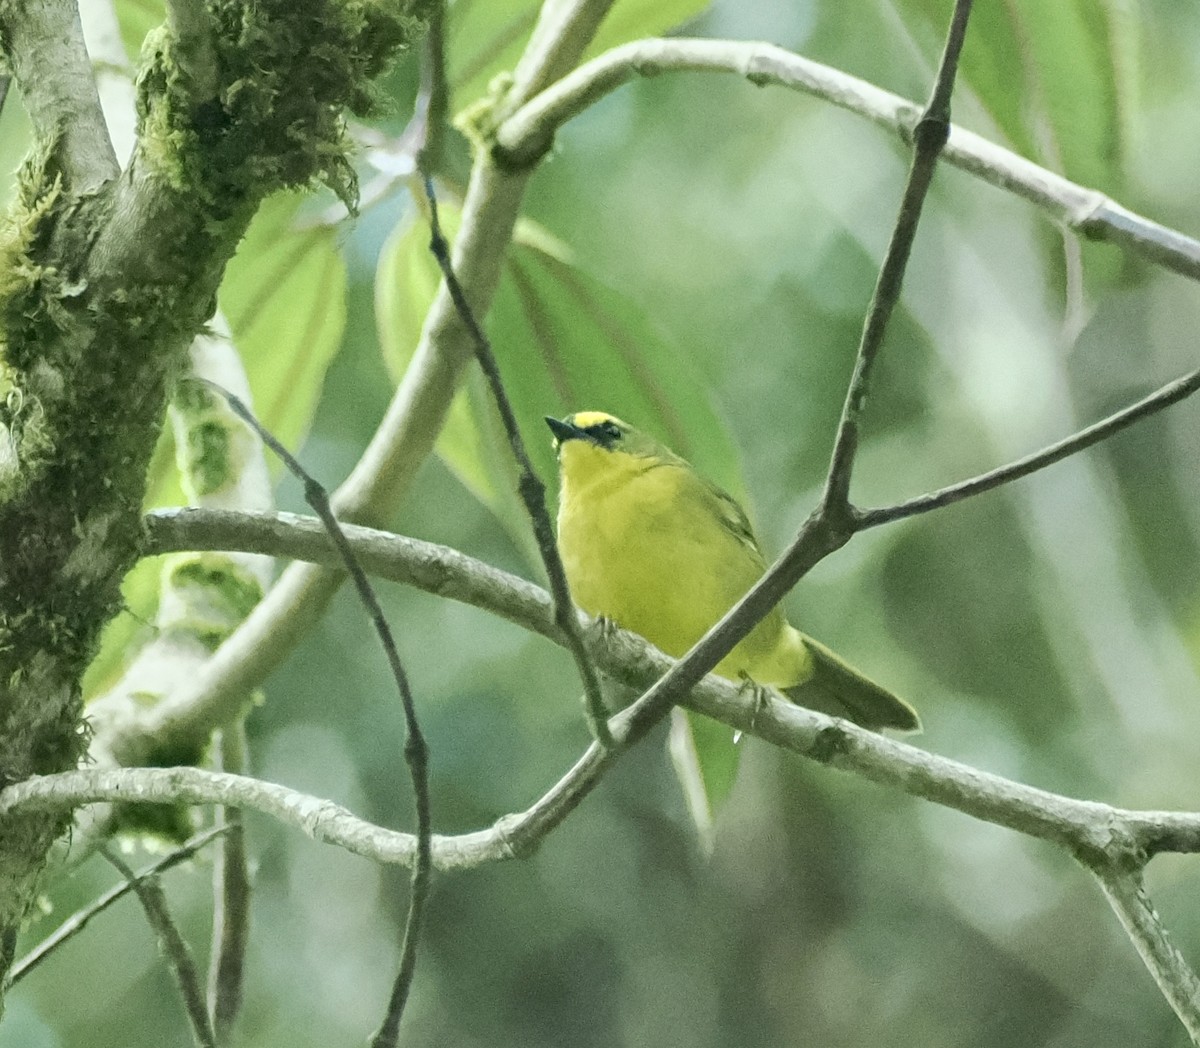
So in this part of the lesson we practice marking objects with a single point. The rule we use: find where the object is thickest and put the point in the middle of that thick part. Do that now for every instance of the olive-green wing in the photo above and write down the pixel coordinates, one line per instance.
(733, 518)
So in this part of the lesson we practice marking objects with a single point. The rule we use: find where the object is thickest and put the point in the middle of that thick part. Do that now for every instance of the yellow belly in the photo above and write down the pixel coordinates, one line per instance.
(634, 553)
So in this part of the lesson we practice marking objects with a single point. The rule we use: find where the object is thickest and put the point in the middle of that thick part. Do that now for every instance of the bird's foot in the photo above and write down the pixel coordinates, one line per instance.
(606, 626)
(758, 693)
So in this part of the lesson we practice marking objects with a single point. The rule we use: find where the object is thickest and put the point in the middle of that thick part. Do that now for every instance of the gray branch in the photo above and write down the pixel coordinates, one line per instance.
(1108, 835)
(1126, 894)
(1079, 825)
(527, 134)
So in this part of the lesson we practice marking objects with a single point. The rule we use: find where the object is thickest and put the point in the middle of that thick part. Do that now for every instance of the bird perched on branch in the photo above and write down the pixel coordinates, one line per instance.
(647, 542)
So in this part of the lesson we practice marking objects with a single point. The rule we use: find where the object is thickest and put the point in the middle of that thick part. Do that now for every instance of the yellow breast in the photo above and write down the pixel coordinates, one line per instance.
(641, 546)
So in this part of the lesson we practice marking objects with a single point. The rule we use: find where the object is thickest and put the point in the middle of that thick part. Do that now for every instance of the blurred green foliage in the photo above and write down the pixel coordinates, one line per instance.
(1047, 632)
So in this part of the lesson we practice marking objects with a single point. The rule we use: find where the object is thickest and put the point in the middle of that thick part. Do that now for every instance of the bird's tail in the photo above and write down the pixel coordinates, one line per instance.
(836, 688)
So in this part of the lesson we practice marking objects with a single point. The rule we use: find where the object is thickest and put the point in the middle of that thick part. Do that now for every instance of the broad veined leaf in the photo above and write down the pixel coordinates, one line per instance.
(284, 296)
(564, 341)
(485, 37)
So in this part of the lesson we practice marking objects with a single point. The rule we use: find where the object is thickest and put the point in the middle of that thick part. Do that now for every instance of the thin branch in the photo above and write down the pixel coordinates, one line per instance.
(439, 570)
(1176, 980)
(433, 100)
(416, 751)
(628, 658)
(79, 920)
(320, 819)
(530, 486)
(174, 948)
(527, 134)
(1106, 833)
(1164, 397)
(231, 900)
(930, 136)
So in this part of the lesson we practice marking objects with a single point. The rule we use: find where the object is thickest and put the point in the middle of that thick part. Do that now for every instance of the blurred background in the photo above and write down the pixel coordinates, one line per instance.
(725, 238)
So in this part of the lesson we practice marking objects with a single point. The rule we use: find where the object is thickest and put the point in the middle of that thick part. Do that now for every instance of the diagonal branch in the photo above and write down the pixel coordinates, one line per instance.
(1164, 397)
(174, 947)
(79, 920)
(529, 484)
(527, 134)
(929, 137)
(831, 526)
(1126, 894)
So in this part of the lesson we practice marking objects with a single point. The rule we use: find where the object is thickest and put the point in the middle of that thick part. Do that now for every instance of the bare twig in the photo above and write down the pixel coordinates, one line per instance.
(416, 752)
(433, 101)
(1164, 397)
(1100, 831)
(930, 135)
(174, 948)
(79, 920)
(436, 569)
(527, 134)
(231, 900)
(1176, 980)
(530, 486)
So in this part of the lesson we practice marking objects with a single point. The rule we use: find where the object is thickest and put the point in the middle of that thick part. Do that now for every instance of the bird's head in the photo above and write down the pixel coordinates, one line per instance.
(591, 444)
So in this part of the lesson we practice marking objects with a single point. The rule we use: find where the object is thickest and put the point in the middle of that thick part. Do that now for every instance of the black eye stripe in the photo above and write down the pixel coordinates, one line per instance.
(605, 432)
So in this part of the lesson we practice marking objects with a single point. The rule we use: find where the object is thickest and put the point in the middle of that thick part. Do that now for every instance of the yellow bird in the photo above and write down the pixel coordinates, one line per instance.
(650, 544)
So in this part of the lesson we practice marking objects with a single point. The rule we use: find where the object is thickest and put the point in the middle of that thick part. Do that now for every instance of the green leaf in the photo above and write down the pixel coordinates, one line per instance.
(284, 295)
(486, 37)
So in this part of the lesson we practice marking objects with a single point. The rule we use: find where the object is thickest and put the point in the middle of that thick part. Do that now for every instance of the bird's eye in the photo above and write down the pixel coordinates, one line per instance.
(611, 430)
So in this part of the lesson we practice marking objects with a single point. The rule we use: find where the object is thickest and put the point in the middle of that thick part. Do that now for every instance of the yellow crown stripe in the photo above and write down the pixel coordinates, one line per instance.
(585, 419)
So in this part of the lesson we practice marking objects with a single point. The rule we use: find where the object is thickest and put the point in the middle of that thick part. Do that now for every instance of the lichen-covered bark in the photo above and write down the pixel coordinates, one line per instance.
(103, 283)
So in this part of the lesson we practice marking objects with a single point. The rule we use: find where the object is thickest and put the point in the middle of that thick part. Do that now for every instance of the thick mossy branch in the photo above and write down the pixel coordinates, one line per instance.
(286, 72)
(103, 283)
(103, 291)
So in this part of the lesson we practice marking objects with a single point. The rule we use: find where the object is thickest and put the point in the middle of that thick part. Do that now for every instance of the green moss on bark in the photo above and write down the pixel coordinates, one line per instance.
(102, 287)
